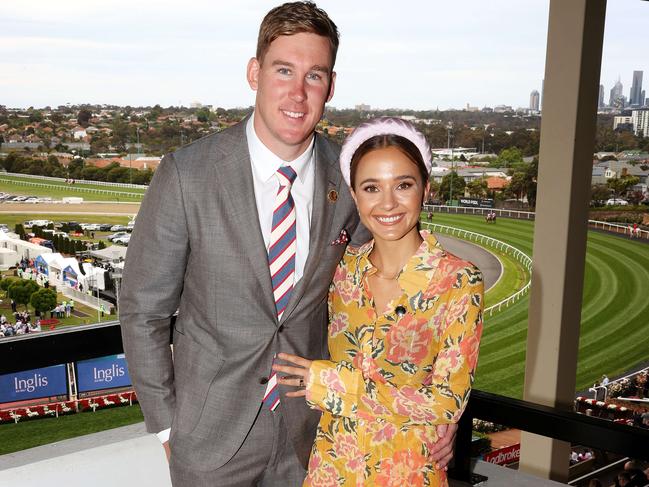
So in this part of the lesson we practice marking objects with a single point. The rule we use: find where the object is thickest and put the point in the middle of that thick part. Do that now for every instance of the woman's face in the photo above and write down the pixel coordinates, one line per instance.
(388, 192)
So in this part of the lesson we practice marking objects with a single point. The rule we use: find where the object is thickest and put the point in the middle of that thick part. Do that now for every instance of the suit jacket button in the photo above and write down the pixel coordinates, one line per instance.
(281, 328)
(263, 380)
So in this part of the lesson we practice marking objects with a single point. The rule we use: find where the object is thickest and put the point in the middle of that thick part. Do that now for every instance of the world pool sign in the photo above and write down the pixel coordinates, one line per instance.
(102, 373)
(32, 384)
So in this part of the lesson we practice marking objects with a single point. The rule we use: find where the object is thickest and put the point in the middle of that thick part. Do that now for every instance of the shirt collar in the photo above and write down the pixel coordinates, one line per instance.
(418, 271)
(265, 164)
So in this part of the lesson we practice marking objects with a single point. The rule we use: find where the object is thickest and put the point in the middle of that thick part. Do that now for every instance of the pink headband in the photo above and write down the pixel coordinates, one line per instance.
(382, 126)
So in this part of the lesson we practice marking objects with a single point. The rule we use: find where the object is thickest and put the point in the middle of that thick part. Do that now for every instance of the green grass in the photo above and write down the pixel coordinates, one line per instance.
(56, 189)
(615, 310)
(29, 434)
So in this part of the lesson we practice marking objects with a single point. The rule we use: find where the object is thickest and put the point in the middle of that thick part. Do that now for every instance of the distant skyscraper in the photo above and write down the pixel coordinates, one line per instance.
(635, 96)
(616, 93)
(600, 102)
(535, 100)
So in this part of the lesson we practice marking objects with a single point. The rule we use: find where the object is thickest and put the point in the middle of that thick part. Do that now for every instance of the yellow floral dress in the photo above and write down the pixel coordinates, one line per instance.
(393, 377)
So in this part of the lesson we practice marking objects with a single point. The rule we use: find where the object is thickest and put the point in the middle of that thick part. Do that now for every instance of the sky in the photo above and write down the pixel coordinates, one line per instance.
(409, 54)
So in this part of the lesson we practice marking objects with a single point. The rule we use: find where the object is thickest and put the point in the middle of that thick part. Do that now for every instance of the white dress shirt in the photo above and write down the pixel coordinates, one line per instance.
(264, 166)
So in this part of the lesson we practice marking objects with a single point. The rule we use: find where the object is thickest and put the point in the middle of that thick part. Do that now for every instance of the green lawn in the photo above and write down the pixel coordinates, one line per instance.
(28, 434)
(615, 311)
(56, 189)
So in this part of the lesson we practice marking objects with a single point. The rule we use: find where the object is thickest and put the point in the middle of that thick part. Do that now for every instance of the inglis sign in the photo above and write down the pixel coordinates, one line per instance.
(31, 384)
(104, 373)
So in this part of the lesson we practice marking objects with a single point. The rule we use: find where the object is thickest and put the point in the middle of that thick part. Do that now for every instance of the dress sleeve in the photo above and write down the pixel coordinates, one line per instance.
(341, 389)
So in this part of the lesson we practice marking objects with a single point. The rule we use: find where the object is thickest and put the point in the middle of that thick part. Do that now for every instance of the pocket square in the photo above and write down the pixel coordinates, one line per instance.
(342, 239)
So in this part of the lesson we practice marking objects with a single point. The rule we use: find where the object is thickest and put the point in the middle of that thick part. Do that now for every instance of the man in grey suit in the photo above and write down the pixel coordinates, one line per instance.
(200, 247)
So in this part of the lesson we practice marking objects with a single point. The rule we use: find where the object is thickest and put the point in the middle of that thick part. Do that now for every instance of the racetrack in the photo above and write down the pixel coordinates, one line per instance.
(615, 309)
(484, 260)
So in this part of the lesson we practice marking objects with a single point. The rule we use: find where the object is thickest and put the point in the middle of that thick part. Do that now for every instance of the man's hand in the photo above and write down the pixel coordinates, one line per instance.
(167, 450)
(442, 451)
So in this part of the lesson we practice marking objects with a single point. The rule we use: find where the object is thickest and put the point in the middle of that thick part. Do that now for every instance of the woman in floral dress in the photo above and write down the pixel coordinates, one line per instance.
(404, 329)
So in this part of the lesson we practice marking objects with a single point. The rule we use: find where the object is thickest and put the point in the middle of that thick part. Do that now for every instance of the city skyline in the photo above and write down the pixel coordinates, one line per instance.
(145, 54)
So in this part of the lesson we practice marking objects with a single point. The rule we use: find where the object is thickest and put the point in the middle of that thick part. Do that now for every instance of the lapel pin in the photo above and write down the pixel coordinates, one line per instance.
(332, 196)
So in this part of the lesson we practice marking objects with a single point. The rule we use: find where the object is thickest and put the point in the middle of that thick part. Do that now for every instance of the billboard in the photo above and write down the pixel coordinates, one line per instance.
(32, 384)
(477, 202)
(102, 373)
(504, 456)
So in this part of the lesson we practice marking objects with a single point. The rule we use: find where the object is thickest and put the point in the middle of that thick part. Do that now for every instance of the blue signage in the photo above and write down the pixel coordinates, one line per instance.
(31, 384)
(102, 373)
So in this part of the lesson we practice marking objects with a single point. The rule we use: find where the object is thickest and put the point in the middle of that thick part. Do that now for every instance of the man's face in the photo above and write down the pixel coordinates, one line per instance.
(293, 84)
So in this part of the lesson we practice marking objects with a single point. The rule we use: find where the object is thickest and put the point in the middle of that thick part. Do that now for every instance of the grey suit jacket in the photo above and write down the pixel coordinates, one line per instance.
(197, 248)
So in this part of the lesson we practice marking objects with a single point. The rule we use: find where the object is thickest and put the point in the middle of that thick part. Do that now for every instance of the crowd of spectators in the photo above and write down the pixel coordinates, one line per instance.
(22, 325)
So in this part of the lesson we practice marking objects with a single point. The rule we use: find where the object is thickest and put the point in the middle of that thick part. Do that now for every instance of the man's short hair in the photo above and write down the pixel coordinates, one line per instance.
(292, 18)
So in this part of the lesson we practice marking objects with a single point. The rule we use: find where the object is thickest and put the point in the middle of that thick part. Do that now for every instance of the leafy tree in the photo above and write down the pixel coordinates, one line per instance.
(7, 282)
(619, 186)
(43, 300)
(508, 157)
(635, 197)
(35, 116)
(517, 185)
(84, 116)
(203, 114)
(531, 172)
(22, 290)
(101, 245)
(20, 230)
(458, 183)
(478, 187)
(599, 193)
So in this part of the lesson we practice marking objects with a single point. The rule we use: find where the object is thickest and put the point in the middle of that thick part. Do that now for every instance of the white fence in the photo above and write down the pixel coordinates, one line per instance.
(505, 248)
(81, 181)
(71, 187)
(529, 215)
(470, 210)
(617, 228)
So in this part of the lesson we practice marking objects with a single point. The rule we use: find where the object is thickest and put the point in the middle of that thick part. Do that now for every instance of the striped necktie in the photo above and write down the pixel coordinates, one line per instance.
(281, 259)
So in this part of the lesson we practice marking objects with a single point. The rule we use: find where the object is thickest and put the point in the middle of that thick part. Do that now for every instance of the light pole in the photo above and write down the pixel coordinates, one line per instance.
(449, 130)
(484, 132)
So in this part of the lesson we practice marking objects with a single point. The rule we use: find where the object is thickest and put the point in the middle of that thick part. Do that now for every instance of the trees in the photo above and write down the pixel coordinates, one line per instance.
(83, 117)
(599, 193)
(43, 300)
(451, 180)
(478, 187)
(619, 186)
(508, 157)
(21, 291)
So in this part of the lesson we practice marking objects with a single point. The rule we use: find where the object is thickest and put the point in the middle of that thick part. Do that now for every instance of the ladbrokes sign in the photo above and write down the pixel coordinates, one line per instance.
(504, 456)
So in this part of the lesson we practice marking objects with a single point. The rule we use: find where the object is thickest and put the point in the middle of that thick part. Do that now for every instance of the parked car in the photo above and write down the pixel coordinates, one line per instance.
(105, 227)
(93, 227)
(123, 240)
(38, 223)
(114, 236)
(616, 202)
(119, 228)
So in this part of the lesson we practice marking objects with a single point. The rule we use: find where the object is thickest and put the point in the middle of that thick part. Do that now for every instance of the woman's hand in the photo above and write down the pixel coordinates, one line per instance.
(298, 373)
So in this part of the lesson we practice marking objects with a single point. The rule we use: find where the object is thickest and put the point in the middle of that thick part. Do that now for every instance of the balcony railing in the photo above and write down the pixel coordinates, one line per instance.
(91, 341)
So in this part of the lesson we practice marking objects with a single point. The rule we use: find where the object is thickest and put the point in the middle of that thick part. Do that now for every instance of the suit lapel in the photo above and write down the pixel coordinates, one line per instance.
(236, 169)
(327, 178)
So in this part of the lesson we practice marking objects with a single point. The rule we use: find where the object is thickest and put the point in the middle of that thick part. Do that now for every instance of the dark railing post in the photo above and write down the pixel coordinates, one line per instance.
(461, 469)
